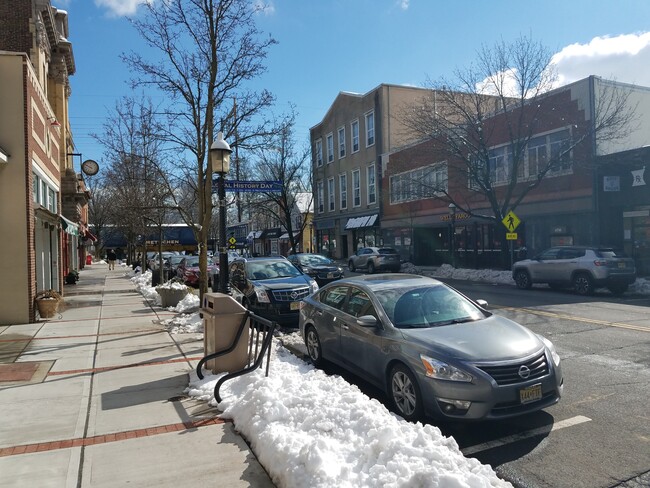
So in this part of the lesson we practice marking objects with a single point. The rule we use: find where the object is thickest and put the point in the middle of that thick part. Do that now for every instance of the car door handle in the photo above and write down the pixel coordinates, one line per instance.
(319, 312)
(345, 327)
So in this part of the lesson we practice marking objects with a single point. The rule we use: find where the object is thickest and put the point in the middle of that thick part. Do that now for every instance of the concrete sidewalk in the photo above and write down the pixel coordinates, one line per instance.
(94, 397)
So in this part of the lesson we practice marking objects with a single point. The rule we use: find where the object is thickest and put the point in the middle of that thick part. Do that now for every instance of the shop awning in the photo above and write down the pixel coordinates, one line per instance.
(90, 235)
(254, 234)
(358, 222)
(69, 227)
(273, 233)
(286, 235)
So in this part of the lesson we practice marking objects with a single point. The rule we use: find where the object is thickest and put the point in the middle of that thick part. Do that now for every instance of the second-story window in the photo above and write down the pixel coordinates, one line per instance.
(341, 142)
(355, 136)
(372, 186)
(356, 188)
(330, 194)
(343, 189)
(330, 148)
(370, 129)
(319, 152)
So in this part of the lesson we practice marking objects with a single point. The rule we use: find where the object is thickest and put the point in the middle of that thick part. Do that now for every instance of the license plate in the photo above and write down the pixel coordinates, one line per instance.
(295, 306)
(330, 275)
(531, 393)
(621, 265)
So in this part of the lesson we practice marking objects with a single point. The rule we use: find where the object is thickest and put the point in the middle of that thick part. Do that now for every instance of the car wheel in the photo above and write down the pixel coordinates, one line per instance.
(582, 284)
(405, 393)
(371, 267)
(351, 266)
(522, 279)
(314, 350)
(617, 289)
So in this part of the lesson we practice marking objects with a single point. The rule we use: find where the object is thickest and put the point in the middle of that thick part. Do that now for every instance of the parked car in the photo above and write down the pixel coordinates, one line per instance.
(582, 268)
(431, 349)
(375, 259)
(271, 287)
(320, 268)
(174, 262)
(154, 260)
(190, 273)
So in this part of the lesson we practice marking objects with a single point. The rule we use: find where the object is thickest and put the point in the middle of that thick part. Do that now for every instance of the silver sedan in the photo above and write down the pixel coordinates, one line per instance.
(431, 349)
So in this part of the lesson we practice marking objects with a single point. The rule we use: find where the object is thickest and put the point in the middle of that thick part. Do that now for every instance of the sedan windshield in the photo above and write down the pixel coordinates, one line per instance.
(270, 270)
(313, 260)
(428, 306)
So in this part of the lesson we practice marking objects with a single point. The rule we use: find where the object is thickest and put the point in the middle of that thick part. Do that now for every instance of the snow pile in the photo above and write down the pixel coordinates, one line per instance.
(142, 282)
(487, 275)
(410, 268)
(311, 429)
(184, 324)
(188, 304)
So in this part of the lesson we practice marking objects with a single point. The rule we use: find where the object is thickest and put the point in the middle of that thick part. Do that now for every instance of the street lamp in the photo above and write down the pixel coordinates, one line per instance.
(220, 157)
(311, 236)
(452, 212)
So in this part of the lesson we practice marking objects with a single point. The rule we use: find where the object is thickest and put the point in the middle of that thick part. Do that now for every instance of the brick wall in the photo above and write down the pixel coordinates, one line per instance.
(15, 16)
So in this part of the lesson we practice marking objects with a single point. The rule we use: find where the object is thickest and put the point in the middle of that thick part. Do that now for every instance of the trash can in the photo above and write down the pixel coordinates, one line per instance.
(214, 278)
(222, 316)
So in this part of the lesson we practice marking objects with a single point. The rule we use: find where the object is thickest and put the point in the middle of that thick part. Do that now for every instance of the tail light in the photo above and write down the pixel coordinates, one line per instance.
(600, 262)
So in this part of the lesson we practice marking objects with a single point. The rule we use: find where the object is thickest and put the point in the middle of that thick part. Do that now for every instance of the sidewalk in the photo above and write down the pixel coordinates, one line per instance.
(94, 397)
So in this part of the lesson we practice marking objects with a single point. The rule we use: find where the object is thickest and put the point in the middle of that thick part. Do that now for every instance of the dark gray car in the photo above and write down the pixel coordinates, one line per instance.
(433, 351)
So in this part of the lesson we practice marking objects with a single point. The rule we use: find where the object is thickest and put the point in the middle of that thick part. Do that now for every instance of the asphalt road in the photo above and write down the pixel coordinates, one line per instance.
(599, 433)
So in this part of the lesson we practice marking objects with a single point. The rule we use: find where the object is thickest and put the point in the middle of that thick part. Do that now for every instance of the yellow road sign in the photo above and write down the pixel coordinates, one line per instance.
(511, 236)
(511, 221)
(232, 241)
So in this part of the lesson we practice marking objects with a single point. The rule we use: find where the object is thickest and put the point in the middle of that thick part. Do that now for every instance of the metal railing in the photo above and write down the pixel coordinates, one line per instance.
(259, 344)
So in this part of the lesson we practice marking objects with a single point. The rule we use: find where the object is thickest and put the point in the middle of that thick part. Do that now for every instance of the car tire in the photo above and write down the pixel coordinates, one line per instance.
(522, 279)
(583, 284)
(618, 289)
(351, 266)
(371, 267)
(405, 393)
(314, 349)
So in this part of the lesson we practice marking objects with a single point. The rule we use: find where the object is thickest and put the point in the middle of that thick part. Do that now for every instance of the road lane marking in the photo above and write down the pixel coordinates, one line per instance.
(556, 315)
(546, 429)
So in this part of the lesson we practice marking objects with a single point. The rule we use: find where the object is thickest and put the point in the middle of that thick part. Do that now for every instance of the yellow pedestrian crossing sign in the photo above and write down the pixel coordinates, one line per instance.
(511, 221)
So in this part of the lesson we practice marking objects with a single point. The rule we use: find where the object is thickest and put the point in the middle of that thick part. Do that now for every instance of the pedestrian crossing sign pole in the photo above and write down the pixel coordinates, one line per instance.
(511, 221)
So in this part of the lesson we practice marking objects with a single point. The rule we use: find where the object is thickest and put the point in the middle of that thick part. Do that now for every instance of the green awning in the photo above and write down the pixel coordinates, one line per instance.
(69, 227)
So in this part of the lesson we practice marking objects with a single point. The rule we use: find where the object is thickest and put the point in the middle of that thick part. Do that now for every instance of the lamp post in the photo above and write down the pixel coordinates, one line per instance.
(220, 157)
(311, 236)
(452, 212)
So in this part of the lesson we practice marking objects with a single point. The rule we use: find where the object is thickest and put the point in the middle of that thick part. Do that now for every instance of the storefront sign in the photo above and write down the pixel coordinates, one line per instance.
(611, 183)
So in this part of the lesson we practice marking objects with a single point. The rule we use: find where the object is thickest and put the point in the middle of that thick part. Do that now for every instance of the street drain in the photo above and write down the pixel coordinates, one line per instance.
(178, 398)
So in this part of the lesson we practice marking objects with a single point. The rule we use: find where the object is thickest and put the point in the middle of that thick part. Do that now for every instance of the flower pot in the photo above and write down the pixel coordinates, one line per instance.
(170, 297)
(47, 307)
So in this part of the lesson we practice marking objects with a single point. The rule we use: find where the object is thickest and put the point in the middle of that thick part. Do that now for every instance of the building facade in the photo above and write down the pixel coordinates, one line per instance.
(37, 178)
(347, 147)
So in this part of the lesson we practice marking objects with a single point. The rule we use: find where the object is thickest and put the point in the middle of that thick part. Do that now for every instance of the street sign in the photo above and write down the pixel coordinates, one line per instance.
(250, 186)
(511, 221)
(232, 241)
(511, 236)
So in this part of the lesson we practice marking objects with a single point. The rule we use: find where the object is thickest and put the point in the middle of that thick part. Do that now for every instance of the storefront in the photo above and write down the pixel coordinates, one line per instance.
(364, 232)
(326, 238)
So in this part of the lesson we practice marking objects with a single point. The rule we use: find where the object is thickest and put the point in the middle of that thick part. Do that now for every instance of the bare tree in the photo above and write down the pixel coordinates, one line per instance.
(208, 50)
(503, 99)
(282, 161)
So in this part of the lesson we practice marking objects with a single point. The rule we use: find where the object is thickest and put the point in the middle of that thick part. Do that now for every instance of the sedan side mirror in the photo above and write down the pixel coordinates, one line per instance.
(482, 303)
(367, 321)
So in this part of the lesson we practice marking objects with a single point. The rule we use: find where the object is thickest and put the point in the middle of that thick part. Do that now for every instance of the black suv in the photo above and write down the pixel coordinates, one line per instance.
(271, 287)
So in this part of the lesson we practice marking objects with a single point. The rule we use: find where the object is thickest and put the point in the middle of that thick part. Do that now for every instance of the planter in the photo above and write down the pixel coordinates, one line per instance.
(170, 297)
(47, 307)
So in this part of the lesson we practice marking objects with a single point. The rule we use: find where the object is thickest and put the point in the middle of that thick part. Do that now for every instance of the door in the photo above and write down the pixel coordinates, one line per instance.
(545, 266)
(328, 319)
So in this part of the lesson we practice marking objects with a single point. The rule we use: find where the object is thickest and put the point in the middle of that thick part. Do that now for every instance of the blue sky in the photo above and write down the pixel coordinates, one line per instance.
(328, 46)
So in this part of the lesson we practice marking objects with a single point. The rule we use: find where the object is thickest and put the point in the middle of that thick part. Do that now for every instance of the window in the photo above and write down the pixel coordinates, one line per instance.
(537, 156)
(342, 142)
(330, 193)
(51, 200)
(330, 148)
(343, 189)
(43, 194)
(359, 304)
(355, 136)
(319, 152)
(559, 143)
(428, 182)
(370, 128)
(372, 186)
(356, 188)
(321, 197)
(335, 297)
(500, 164)
(36, 187)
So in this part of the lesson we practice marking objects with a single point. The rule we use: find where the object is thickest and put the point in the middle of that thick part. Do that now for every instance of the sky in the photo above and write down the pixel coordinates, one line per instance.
(328, 46)
(308, 429)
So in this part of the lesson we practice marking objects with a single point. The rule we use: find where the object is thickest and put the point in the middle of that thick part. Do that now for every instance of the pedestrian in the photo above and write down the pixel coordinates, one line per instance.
(111, 259)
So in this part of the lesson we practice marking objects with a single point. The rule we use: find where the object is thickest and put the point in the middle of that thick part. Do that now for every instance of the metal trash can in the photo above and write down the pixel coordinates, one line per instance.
(155, 277)
(214, 278)
(222, 317)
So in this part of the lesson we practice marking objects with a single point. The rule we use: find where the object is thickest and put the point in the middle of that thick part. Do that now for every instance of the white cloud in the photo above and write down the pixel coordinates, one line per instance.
(121, 7)
(262, 7)
(624, 58)
(403, 4)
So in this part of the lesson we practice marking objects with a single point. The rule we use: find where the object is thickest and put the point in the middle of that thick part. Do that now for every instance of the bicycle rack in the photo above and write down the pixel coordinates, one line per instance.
(260, 338)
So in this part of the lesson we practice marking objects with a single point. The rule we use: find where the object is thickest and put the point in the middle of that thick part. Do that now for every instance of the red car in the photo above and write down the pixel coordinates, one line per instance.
(188, 271)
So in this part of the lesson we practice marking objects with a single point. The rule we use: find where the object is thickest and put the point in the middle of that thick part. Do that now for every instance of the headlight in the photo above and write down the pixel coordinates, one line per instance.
(551, 347)
(262, 296)
(313, 287)
(443, 371)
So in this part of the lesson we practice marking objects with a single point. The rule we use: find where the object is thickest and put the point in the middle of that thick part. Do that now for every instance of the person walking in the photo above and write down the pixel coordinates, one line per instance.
(111, 259)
